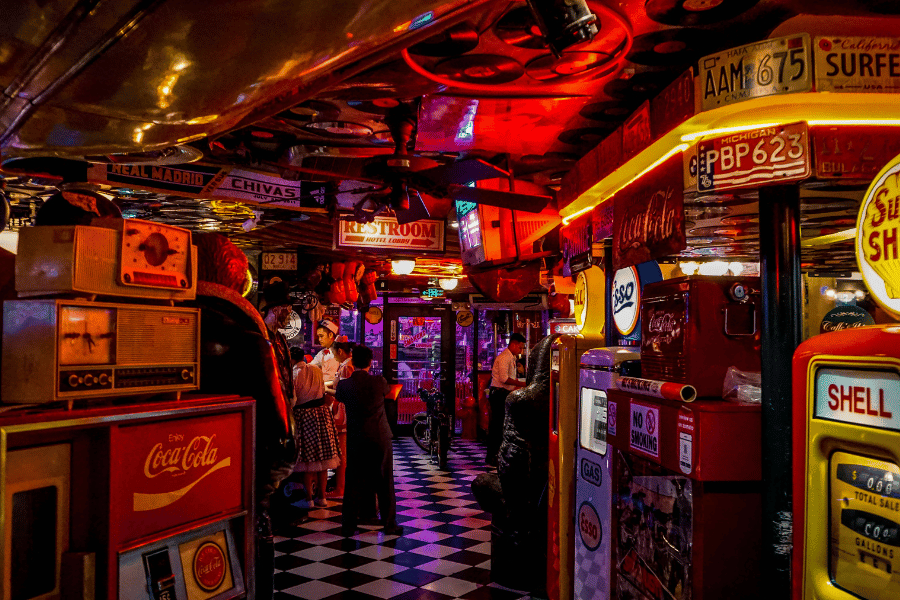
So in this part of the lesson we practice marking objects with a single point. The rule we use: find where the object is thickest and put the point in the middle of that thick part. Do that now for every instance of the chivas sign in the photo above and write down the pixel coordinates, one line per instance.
(648, 218)
(173, 472)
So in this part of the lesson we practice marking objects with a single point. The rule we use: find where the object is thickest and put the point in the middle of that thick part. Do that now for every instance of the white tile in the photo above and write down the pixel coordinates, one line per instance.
(318, 553)
(316, 570)
(382, 588)
(485, 565)
(376, 552)
(422, 524)
(484, 548)
(320, 537)
(442, 567)
(449, 494)
(444, 486)
(451, 586)
(380, 568)
(439, 479)
(314, 590)
(409, 494)
(427, 536)
(434, 550)
(321, 525)
(472, 523)
(463, 512)
(374, 537)
(412, 503)
(456, 502)
(278, 538)
(501, 587)
(406, 486)
(482, 535)
(417, 512)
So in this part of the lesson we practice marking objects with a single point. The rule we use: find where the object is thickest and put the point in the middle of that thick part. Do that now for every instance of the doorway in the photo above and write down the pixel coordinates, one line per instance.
(419, 353)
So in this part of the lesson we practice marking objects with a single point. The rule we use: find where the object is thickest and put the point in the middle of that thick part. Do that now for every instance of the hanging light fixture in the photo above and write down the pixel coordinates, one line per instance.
(402, 267)
(448, 284)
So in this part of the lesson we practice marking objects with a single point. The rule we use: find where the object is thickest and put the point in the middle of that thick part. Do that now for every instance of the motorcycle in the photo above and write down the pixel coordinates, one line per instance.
(431, 429)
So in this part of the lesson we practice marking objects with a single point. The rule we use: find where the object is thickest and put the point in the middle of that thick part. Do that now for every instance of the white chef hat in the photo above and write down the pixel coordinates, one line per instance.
(330, 326)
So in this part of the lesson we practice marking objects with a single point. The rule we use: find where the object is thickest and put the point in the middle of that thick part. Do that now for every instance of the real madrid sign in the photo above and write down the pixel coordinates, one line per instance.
(878, 238)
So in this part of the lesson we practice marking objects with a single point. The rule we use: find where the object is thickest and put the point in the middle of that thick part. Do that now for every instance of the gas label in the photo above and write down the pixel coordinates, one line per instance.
(870, 398)
(645, 429)
(591, 472)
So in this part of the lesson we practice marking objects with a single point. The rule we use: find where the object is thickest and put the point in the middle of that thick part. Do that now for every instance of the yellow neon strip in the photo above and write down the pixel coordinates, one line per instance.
(831, 238)
(813, 108)
(574, 216)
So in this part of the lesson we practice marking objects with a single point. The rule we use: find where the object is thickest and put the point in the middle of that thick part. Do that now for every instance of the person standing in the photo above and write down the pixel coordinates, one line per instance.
(319, 448)
(504, 379)
(371, 456)
(342, 352)
(326, 332)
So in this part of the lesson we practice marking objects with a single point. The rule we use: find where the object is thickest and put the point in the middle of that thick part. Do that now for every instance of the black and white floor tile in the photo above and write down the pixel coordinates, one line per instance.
(443, 554)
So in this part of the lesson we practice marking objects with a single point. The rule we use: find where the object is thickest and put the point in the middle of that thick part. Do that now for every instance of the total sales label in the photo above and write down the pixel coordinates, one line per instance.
(869, 398)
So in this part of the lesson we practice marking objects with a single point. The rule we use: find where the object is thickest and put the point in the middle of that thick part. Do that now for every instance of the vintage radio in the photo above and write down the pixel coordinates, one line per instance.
(139, 259)
(694, 328)
(57, 349)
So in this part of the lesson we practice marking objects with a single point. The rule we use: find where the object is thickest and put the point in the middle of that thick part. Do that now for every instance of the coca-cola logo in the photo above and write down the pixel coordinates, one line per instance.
(662, 322)
(209, 566)
(178, 460)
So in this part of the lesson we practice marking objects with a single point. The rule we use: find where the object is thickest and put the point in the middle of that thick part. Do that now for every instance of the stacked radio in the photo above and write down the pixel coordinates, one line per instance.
(95, 314)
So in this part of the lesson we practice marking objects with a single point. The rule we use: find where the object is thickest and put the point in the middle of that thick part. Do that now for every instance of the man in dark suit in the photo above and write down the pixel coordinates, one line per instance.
(370, 456)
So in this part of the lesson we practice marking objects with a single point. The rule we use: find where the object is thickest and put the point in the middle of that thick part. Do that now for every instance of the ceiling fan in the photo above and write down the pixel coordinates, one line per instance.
(407, 181)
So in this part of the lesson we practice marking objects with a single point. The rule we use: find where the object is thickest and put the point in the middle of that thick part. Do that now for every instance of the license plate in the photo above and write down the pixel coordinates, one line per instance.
(777, 66)
(853, 152)
(755, 157)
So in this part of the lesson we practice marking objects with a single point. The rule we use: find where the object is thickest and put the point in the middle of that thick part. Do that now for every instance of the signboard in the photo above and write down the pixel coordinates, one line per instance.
(644, 435)
(253, 186)
(870, 398)
(649, 216)
(845, 317)
(853, 152)
(672, 106)
(758, 156)
(464, 318)
(581, 300)
(590, 526)
(857, 64)
(685, 441)
(191, 180)
(384, 233)
(626, 299)
(877, 252)
(776, 66)
(174, 472)
(636, 131)
(206, 566)
(279, 261)
(602, 222)
(575, 244)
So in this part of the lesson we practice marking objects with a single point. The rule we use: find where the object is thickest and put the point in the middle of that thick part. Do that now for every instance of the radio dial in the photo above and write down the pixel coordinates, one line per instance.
(88, 380)
(103, 379)
(186, 374)
(73, 380)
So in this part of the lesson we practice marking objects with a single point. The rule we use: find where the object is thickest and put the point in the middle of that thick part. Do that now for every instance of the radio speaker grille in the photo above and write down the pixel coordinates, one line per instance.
(664, 369)
(150, 336)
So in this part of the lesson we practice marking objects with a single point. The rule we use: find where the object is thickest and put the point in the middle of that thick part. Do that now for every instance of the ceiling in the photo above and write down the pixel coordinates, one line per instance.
(310, 92)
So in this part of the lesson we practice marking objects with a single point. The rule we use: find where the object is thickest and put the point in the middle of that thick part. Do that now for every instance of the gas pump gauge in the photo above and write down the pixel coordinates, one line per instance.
(865, 526)
(155, 255)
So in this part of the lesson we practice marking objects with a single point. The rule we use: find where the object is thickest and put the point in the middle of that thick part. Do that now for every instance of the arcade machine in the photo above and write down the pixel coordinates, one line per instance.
(846, 447)
(565, 355)
(685, 476)
(114, 495)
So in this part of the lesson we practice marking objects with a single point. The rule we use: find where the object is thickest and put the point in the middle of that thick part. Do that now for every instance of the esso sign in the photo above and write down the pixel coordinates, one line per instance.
(626, 299)
(589, 526)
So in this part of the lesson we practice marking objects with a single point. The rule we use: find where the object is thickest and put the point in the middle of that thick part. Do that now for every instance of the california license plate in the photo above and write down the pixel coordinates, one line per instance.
(755, 157)
(777, 66)
(853, 152)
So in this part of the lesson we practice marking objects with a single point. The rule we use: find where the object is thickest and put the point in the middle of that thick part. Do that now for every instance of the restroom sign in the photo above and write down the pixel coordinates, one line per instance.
(645, 429)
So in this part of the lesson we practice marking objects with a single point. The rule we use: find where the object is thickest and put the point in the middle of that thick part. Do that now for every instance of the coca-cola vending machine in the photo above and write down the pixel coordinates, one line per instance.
(593, 482)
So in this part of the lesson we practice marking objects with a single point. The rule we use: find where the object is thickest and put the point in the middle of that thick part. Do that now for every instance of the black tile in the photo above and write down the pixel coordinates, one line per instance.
(460, 543)
(347, 561)
(290, 531)
(286, 562)
(466, 557)
(289, 546)
(451, 529)
(475, 575)
(409, 559)
(415, 577)
(286, 580)
(492, 593)
(402, 543)
(346, 595)
(445, 518)
(348, 579)
(346, 544)
(420, 594)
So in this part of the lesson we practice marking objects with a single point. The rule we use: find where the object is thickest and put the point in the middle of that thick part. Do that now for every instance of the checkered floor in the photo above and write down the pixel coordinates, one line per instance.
(444, 552)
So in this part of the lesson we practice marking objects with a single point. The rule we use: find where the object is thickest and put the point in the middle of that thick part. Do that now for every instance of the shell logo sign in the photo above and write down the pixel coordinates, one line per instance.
(878, 238)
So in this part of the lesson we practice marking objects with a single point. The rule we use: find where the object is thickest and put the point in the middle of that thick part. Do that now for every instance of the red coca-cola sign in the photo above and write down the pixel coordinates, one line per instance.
(664, 327)
(648, 220)
(168, 473)
(209, 566)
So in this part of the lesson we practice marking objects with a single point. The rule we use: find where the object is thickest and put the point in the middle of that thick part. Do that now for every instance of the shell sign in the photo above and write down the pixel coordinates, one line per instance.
(878, 238)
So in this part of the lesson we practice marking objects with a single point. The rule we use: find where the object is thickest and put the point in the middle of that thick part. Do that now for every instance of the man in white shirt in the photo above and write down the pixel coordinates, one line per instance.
(503, 381)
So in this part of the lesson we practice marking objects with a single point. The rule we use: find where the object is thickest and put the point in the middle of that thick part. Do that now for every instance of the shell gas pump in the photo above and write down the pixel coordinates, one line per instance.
(847, 432)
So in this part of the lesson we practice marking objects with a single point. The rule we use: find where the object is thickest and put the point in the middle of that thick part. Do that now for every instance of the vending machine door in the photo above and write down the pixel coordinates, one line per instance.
(593, 477)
